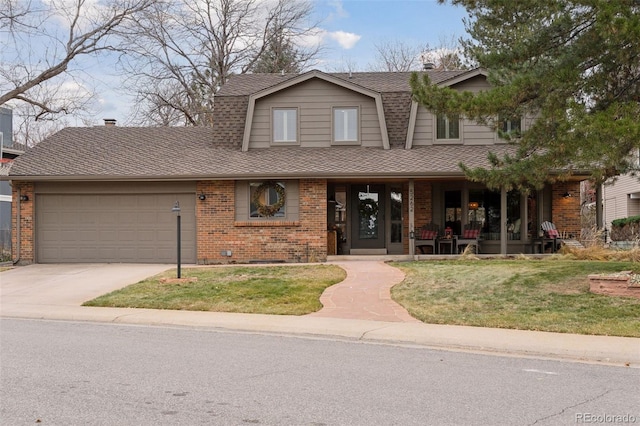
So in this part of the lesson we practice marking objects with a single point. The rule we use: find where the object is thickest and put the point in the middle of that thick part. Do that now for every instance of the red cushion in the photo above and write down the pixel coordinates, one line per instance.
(553, 233)
(427, 234)
(470, 233)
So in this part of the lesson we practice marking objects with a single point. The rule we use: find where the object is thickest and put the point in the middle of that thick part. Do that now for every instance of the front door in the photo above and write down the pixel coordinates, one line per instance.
(367, 207)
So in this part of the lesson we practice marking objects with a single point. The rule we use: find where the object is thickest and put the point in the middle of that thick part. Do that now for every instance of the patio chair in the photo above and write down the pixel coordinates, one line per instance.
(550, 234)
(427, 236)
(470, 237)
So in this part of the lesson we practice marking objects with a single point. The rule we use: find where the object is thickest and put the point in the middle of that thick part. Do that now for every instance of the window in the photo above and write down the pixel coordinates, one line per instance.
(511, 126)
(285, 125)
(448, 127)
(268, 200)
(345, 124)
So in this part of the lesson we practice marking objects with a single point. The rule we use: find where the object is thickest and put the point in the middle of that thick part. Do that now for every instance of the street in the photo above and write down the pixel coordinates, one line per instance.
(70, 373)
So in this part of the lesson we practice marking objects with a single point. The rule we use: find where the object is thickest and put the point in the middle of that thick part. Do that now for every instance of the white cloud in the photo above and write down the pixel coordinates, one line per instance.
(339, 10)
(345, 40)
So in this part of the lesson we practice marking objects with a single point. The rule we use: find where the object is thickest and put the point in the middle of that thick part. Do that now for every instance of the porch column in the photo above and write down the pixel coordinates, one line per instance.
(503, 221)
(412, 241)
(599, 218)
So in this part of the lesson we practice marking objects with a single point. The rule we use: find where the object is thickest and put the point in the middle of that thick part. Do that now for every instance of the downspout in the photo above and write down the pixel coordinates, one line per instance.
(18, 227)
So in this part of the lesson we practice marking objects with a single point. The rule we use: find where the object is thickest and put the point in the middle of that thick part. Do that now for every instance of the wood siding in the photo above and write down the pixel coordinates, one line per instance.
(315, 99)
(617, 202)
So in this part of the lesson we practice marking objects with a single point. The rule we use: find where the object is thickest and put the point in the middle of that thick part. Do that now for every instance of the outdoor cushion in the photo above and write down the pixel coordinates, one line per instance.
(552, 233)
(427, 234)
(470, 233)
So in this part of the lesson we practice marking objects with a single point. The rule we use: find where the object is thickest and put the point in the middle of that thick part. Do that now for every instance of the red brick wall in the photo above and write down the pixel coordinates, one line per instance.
(565, 212)
(25, 254)
(304, 240)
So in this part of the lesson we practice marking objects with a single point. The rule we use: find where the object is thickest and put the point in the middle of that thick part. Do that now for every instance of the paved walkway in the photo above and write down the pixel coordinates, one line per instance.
(365, 294)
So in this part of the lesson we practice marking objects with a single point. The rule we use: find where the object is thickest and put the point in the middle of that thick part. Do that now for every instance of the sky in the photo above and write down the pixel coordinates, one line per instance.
(348, 32)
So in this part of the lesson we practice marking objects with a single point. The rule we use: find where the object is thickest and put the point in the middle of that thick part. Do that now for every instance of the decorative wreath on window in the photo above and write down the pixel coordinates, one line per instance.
(368, 207)
(271, 209)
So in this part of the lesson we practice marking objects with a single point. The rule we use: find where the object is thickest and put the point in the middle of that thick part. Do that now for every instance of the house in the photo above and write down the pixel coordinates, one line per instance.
(8, 151)
(621, 197)
(296, 168)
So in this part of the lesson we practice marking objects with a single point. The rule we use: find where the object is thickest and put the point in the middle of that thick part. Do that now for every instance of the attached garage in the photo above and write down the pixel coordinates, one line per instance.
(114, 222)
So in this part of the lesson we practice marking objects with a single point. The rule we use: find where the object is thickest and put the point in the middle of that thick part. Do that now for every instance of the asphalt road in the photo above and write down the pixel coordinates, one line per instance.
(67, 373)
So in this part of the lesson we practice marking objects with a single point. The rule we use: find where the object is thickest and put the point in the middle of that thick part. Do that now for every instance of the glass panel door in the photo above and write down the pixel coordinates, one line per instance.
(368, 216)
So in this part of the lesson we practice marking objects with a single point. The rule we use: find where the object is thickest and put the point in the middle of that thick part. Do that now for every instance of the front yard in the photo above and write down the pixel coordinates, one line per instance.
(548, 295)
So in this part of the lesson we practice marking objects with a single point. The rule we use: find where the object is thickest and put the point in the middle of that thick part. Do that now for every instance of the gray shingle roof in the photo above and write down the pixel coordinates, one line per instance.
(247, 84)
(187, 153)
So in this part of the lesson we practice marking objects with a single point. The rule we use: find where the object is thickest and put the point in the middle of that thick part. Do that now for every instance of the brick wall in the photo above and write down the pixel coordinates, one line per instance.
(565, 212)
(304, 240)
(25, 253)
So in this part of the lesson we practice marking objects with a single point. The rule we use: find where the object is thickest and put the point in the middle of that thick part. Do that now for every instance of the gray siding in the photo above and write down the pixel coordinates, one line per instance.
(315, 99)
(617, 201)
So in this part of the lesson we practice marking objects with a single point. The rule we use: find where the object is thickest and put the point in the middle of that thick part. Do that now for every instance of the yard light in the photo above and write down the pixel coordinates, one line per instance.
(176, 209)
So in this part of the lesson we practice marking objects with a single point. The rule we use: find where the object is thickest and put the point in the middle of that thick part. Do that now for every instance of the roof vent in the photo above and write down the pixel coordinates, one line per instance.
(109, 122)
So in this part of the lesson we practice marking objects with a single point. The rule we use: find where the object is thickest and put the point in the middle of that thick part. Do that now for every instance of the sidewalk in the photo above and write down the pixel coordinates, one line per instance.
(359, 308)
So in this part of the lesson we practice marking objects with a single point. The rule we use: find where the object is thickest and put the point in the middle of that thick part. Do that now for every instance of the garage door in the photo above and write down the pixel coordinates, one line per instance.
(129, 228)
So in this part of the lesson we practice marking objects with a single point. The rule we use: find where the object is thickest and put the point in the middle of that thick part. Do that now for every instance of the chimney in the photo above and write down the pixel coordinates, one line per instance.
(109, 122)
(428, 66)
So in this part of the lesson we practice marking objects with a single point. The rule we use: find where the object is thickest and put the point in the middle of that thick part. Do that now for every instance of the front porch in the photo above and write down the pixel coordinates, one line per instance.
(381, 218)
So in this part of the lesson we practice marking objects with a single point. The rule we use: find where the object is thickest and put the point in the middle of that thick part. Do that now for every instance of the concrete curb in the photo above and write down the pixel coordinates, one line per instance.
(622, 351)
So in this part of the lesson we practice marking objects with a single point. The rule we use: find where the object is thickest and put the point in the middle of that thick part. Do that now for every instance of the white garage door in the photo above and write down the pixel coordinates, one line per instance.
(128, 228)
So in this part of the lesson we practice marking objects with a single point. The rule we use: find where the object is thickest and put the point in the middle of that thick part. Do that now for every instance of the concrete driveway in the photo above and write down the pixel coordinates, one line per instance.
(69, 284)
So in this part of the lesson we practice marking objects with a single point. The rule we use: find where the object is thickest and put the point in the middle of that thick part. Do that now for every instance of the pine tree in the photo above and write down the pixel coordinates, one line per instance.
(574, 65)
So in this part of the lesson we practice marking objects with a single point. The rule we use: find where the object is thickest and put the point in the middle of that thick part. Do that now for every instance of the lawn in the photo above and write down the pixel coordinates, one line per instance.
(280, 290)
(549, 295)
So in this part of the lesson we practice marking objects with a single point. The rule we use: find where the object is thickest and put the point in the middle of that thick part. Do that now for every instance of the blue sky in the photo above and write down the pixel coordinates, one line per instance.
(415, 22)
(349, 29)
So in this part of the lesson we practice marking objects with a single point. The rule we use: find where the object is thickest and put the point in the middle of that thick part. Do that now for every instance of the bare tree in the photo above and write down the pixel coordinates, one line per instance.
(399, 56)
(180, 53)
(396, 56)
(40, 43)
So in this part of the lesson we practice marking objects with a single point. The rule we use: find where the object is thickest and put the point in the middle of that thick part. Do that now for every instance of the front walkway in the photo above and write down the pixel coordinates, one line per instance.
(365, 294)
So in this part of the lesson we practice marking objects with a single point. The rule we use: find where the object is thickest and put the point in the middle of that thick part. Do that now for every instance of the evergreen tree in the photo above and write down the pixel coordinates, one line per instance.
(574, 65)
(280, 55)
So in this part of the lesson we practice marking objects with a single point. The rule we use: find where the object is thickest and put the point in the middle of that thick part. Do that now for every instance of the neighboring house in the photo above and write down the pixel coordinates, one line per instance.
(8, 151)
(296, 168)
(621, 197)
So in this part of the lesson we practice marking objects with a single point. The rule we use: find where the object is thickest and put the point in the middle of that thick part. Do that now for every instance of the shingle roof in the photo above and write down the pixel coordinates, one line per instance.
(383, 82)
(187, 153)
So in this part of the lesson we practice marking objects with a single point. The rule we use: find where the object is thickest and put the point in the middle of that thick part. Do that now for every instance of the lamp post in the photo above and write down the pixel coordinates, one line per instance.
(176, 209)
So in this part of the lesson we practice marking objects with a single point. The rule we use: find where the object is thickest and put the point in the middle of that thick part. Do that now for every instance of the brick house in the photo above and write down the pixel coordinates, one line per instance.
(295, 169)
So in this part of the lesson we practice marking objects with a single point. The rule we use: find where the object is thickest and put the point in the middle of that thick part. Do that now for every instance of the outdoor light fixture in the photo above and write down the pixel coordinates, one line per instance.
(412, 235)
(567, 195)
(202, 197)
(24, 198)
(176, 209)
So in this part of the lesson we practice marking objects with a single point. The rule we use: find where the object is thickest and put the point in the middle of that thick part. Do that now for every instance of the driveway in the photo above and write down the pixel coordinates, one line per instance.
(69, 284)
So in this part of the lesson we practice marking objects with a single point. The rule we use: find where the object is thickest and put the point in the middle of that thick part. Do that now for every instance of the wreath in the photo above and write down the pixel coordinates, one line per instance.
(368, 207)
(271, 209)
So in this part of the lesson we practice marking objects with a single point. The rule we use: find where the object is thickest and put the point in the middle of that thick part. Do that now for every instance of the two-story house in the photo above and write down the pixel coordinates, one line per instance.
(296, 168)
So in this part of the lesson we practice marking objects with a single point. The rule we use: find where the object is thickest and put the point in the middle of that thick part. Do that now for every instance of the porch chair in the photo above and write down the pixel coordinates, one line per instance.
(550, 234)
(470, 237)
(427, 236)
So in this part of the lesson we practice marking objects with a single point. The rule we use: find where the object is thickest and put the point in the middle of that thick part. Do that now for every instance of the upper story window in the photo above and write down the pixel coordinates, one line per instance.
(285, 125)
(512, 125)
(345, 125)
(448, 127)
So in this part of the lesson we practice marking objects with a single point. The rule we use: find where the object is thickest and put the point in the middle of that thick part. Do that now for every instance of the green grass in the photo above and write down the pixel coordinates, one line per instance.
(280, 290)
(548, 295)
